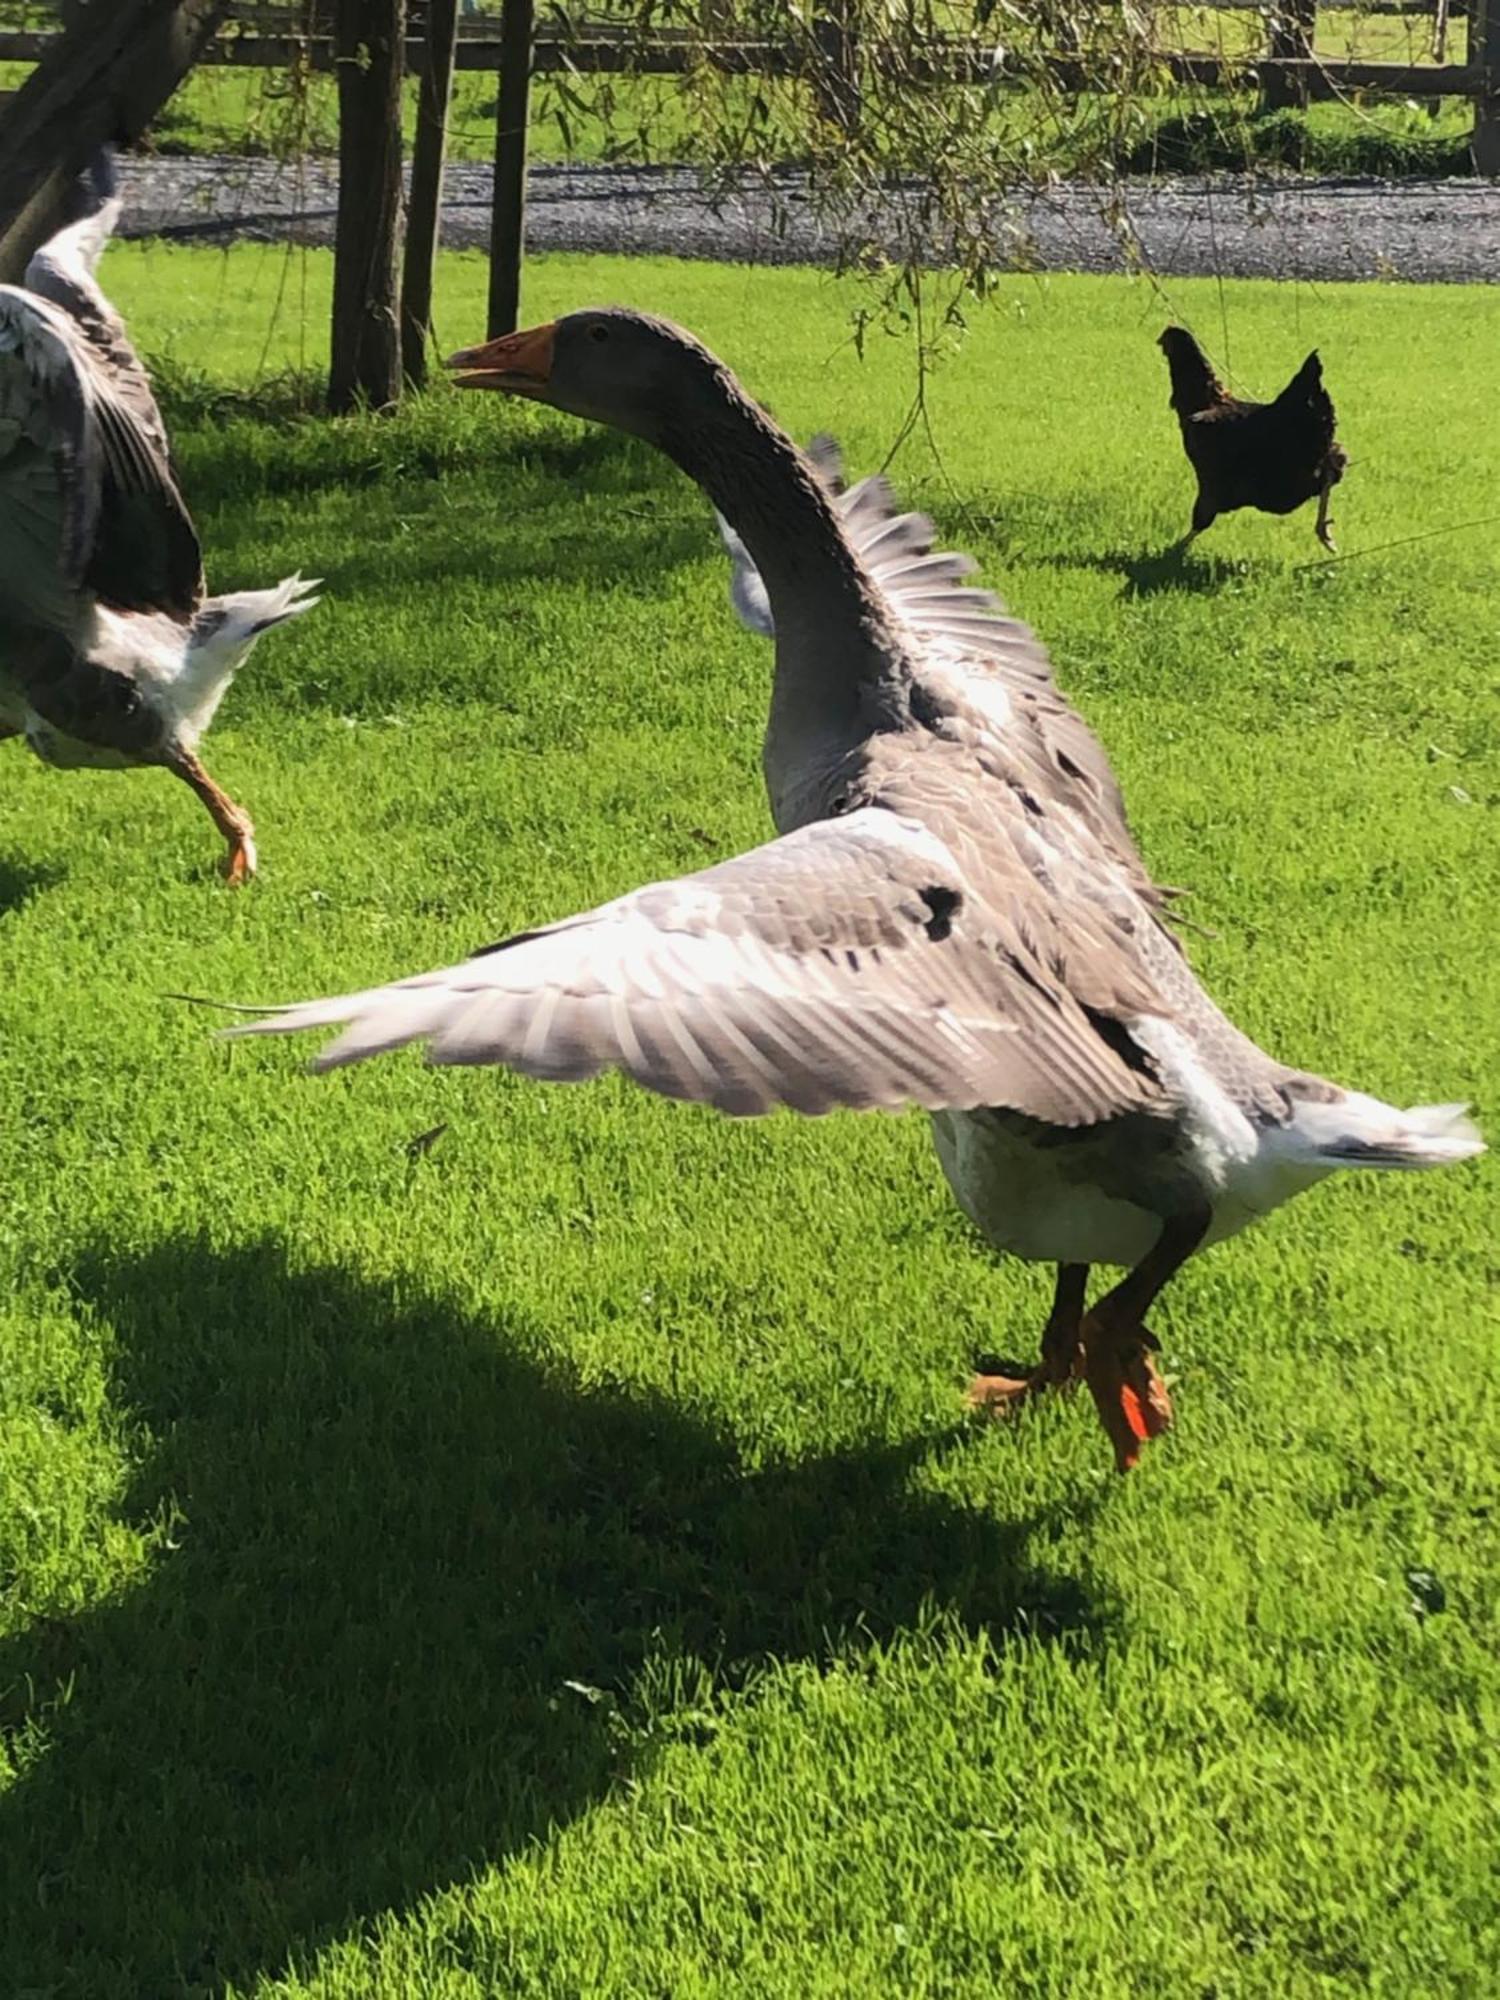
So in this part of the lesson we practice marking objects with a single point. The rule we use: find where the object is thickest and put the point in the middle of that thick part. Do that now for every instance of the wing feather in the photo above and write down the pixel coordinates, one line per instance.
(809, 973)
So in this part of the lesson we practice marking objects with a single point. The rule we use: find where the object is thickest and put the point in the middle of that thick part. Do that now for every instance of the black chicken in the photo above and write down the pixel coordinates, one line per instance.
(1273, 456)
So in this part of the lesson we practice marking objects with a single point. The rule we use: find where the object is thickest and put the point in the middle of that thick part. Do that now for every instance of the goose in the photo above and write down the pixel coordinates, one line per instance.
(111, 653)
(954, 913)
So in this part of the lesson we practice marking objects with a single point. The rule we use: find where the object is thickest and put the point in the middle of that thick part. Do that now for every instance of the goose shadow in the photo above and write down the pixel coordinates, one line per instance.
(412, 1593)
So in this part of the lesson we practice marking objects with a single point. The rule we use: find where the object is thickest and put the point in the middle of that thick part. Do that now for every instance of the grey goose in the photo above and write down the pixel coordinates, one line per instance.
(954, 913)
(111, 653)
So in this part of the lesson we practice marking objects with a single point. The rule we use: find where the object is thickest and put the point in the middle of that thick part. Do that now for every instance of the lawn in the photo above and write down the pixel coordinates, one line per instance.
(553, 1560)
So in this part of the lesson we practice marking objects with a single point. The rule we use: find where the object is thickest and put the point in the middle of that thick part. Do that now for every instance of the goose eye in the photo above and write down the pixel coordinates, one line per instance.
(597, 332)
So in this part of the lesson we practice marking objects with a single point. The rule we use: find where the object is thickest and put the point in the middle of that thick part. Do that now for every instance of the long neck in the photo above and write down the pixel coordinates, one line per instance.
(835, 646)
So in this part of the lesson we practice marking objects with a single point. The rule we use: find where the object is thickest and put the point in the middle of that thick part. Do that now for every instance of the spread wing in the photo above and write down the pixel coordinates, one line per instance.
(89, 503)
(846, 964)
(51, 470)
(975, 648)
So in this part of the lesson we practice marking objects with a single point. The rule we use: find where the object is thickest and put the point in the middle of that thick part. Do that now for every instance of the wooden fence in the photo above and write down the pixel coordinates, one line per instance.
(1302, 77)
(275, 37)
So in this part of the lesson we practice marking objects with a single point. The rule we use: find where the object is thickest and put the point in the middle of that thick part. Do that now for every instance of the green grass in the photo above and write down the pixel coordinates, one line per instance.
(555, 1562)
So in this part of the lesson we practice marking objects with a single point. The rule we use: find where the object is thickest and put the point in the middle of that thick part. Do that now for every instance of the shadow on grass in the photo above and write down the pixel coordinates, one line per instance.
(394, 1541)
(1149, 574)
(20, 881)
(400, 509)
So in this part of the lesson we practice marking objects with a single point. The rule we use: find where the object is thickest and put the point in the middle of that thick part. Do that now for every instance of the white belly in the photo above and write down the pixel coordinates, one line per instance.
(1036, 1201)
(1021, 1198)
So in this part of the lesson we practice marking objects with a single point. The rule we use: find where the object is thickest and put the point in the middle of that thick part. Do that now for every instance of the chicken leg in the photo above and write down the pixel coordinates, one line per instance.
(1119, 1348)
(1062, 1349)
(1323, 527)
(232, 821)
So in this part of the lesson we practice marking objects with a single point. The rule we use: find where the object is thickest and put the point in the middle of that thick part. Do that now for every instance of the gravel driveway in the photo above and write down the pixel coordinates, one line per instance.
(1406, 230)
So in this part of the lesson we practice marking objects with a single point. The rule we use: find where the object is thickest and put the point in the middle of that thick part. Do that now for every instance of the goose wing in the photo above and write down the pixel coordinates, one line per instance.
(89, 506)
(965, 633)
(849, 963)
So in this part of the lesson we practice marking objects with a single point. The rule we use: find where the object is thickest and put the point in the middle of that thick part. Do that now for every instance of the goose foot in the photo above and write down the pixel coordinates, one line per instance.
(240, 862)
(233, 822)
(1062, 1353)
(1120, 1368)
(998, 1395)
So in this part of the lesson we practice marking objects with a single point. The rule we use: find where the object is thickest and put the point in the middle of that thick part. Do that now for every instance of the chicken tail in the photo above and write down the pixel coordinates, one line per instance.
(1306, 386)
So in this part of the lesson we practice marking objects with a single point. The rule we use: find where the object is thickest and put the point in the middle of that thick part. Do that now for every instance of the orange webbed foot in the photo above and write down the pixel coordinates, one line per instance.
(999, 1394)
(1126, 1384)
(240, 863)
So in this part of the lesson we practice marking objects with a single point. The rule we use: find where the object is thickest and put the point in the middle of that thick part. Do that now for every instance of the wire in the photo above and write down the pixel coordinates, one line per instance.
(1403, 542)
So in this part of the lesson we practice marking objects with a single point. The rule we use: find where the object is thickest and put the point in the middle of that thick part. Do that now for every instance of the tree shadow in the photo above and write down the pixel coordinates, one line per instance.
(399, 1559)
(20, 881)
(497, 505)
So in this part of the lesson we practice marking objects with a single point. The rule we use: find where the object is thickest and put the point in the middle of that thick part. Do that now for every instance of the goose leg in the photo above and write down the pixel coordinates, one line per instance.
(232, 821)
(1062, 1352)
(1118, 1347)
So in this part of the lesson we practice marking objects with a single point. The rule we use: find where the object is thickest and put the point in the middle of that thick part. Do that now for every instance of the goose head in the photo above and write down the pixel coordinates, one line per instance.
(610, 364)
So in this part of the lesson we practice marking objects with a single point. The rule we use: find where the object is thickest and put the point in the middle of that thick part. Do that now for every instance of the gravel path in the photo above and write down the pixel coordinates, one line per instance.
(1408, 230)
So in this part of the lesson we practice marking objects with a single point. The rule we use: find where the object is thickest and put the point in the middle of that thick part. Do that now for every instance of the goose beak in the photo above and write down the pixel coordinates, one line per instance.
(518, 362)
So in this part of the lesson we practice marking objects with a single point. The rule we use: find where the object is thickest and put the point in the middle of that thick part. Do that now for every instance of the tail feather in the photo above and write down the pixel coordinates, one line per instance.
(223, 632)
(1359, 1131)
(242, 615)
(1306, 386)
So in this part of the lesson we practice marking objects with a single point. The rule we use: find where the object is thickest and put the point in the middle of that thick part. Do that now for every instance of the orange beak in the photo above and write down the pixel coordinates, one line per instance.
(518, 362)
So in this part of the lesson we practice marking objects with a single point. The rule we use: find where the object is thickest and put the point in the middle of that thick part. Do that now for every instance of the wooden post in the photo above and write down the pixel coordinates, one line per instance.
(512, 116)
(1484, 53)
(835, 79)
(103, 79)
(369, 53)
(424, 217)
(1294, 29)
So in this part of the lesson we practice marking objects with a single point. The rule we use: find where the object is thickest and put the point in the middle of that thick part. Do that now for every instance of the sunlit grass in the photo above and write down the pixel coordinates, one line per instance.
(552, 1560)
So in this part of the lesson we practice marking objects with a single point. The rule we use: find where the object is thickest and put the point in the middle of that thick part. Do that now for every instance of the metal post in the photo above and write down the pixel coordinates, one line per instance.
(512, 115)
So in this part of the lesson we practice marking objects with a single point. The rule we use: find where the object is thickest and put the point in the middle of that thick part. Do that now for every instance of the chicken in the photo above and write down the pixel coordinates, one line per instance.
(111, 654)
(1273, 456)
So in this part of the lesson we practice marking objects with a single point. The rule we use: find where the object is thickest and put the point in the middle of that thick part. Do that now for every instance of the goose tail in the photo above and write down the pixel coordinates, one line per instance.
(1359, 1131)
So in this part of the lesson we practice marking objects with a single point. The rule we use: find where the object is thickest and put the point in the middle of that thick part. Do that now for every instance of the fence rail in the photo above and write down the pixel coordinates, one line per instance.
(948, 62)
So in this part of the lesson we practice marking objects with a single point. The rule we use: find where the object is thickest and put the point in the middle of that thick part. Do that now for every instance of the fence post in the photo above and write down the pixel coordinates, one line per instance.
(369, 52)
(1484, 54)
(508, 216)
(835, 78)
(1294, 29)
(425, 212)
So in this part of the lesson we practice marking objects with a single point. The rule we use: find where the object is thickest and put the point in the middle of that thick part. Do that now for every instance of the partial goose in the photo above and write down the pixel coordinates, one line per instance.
(111, 654)
(955, 914)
